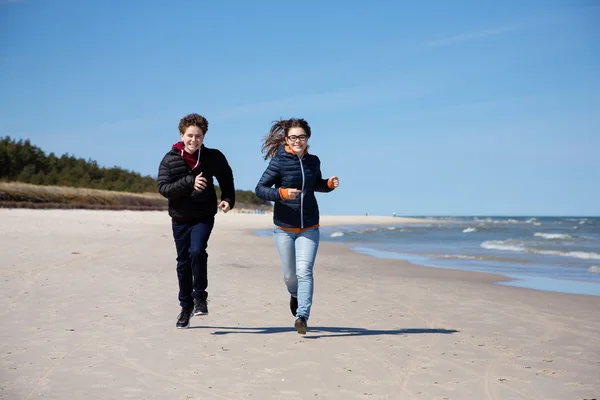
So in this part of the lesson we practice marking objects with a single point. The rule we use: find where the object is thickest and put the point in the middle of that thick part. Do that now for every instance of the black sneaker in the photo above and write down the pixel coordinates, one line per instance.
(183, 320)
(293, 305)
(200, 307)
(300, 325)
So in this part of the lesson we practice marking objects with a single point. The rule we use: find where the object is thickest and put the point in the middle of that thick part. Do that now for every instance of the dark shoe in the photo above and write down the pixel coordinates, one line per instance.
(293, 305)
(300, 325)
(200, 307)
(183, 320)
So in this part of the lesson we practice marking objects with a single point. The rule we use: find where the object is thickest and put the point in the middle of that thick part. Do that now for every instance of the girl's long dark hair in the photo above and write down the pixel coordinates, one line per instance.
(279, 131)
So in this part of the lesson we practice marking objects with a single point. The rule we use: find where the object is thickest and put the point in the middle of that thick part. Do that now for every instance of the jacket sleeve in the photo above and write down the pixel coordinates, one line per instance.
(224, 176)
(173, 190)
(272, 176)
(321, 185)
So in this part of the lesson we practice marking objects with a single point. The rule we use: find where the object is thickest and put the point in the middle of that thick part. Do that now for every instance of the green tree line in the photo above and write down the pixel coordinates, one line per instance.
(22, 161)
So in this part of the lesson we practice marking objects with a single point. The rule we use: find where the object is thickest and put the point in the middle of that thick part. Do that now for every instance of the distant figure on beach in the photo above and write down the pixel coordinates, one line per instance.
(185, 177)
(296, 176)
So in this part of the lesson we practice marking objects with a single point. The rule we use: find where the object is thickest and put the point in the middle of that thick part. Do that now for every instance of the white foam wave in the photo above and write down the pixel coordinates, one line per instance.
(503, 221)
(509, 245)
(337, 234)
(594, 269)
(469, 230)
(515, 245)
(391, 228)
(584, 255)
(553, 236)
(459, 256)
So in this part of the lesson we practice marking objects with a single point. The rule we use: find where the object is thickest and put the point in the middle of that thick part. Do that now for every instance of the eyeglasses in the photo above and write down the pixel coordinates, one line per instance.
(293, 138)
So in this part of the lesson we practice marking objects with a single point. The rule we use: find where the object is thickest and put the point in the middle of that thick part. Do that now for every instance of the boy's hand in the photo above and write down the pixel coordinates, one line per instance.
(200, 182)
(224, 206)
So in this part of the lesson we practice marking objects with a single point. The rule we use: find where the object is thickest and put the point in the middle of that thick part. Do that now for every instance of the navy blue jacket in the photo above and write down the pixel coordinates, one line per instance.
(287, 170)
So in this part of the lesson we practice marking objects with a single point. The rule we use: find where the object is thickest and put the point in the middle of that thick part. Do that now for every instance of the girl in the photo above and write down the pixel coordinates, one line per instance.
(296, 176)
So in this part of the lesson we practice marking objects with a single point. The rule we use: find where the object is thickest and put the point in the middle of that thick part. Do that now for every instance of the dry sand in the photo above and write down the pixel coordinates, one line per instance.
(89, 303)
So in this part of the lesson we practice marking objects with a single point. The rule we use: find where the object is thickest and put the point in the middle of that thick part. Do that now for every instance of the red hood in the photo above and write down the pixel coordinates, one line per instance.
(178, 146)
(192, 160)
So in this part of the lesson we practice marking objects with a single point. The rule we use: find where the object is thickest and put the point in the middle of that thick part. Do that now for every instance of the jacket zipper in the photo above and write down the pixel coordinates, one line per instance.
(302, 195)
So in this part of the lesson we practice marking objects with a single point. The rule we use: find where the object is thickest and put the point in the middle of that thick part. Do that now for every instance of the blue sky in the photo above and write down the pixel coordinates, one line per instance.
(421, 108)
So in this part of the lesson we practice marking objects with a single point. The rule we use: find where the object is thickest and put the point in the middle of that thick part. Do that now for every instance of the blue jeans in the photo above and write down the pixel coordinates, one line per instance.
(298, 252)
(191, 240)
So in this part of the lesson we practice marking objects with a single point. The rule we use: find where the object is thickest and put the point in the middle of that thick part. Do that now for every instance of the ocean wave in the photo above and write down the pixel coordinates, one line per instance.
(469, 230)
(458, 256)
(518, 246)
(507, 221)
(594, 269)
(500, 221)
(509, 245)
(373, 232)
(553, 236)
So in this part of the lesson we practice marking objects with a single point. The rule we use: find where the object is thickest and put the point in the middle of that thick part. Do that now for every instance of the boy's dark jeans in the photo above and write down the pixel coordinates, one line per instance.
(191, 240)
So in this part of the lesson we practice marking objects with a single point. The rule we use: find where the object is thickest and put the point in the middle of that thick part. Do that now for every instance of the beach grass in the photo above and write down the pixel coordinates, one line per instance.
(24, 195)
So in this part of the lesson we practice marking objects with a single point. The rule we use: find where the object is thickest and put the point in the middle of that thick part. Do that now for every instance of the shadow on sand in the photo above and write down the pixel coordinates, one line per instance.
(316, 332)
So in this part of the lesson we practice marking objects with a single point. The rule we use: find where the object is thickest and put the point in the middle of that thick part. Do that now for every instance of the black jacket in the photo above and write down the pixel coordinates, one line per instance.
(176, 183)
(287, 170)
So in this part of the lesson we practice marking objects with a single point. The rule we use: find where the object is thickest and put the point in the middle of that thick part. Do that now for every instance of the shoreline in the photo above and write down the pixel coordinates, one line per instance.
(515, 280)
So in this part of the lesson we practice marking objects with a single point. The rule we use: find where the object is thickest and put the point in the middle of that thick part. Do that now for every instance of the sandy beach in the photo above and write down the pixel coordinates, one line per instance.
(89, 304)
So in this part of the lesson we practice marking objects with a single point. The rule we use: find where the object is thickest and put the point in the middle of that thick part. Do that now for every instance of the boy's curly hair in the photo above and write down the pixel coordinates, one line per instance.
(193, 120)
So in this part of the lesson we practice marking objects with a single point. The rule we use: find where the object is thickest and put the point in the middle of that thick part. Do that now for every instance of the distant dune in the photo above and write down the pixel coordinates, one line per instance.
(24, 195)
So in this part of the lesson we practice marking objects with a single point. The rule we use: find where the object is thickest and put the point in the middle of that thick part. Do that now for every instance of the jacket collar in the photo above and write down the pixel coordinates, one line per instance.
(285, 149)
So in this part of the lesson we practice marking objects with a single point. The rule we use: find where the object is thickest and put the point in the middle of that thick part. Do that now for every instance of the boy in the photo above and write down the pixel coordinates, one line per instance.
(185, 177)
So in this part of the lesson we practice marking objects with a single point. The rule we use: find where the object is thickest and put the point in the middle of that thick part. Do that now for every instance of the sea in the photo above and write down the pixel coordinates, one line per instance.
(558, 254)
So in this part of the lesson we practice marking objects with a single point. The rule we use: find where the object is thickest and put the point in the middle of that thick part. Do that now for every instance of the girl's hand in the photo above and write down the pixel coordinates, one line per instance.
(334, 181)
(293, 193)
